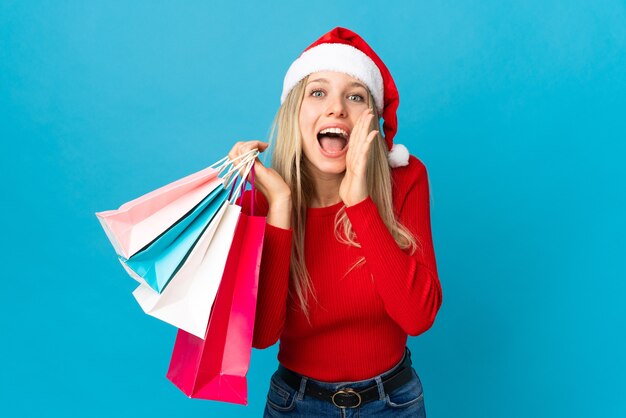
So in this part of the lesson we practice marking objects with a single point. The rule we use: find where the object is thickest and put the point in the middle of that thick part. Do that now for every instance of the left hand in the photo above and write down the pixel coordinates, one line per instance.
(353, 188)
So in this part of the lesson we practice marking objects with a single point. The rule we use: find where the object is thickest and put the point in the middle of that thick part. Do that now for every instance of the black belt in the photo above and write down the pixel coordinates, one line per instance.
(347, 397)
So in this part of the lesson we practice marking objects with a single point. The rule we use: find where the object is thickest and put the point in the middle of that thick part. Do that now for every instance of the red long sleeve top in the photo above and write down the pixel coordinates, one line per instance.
(359, 326)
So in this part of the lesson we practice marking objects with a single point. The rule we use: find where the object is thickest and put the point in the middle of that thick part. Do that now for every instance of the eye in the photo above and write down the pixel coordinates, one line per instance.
(317, 93)
(359, 98)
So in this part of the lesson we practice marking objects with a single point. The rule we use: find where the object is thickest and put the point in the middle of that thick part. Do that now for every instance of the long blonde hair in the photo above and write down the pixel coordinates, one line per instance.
(289, 161)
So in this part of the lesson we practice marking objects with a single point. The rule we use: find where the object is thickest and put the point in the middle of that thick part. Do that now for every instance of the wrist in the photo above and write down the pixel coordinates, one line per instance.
(279, 213)
(281, 202)
(355, 200)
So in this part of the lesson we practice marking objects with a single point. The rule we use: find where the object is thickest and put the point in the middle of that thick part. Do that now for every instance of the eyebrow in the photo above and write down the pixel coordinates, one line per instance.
(323, 80)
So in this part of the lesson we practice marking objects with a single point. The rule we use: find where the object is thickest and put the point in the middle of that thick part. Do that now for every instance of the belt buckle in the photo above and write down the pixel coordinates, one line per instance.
(347, 391)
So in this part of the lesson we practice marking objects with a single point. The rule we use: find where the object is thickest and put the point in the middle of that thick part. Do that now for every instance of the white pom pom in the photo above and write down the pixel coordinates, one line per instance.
(398, 156)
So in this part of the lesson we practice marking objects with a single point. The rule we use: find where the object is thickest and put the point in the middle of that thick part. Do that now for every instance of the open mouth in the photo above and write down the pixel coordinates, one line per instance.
(333, 140)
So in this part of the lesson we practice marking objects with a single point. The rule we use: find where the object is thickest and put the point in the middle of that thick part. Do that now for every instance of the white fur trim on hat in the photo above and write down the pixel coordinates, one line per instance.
(398, 156)
(336, 57)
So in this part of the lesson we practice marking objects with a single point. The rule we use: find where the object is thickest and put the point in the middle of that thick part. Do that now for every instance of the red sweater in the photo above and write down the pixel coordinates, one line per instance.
(361, 322)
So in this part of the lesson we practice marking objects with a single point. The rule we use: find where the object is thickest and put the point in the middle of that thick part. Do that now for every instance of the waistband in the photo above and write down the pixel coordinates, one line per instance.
(356, 392)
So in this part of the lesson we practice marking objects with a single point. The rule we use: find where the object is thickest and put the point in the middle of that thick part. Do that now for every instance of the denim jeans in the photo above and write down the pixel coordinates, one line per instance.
(405, 401)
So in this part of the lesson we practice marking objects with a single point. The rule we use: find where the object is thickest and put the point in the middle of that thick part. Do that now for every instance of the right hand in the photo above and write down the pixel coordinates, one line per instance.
(267, 180)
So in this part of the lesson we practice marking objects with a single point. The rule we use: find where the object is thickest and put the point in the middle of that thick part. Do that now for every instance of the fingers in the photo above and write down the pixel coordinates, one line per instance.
(360, 126)
(371, 137)
(364, 123)
(250, 145)
(360, 141)
(258, 169)
(241, 148)
(359, 154)
(360, 135)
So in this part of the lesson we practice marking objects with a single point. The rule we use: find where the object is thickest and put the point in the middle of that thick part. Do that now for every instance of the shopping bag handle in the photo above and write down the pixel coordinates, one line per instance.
(243, 181)
(226, 161)
(231, 176)
(252, 190)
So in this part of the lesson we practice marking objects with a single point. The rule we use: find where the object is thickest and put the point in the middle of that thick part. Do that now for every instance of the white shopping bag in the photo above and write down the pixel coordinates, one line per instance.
(187, 300)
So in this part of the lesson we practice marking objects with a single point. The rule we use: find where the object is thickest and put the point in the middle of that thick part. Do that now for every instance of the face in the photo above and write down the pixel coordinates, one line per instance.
(331, 106)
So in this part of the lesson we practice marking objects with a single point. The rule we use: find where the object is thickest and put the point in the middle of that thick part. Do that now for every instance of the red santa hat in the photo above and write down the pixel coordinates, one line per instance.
(344, 51)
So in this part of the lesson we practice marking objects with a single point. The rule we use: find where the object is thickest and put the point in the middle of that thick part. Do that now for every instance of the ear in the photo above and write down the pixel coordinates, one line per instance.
(398, 156)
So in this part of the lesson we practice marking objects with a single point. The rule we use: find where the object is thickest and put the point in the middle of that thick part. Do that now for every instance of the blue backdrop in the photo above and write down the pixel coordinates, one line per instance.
(517, 109)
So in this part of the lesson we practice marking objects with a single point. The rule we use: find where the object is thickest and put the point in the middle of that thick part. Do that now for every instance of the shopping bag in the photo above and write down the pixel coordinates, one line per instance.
(135, 224)
(215, 367)
(156, 264)
(187, 300)
(138, 222)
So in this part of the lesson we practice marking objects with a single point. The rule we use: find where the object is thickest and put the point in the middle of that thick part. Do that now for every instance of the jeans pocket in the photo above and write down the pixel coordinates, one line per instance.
(281, 397)
(406, 395)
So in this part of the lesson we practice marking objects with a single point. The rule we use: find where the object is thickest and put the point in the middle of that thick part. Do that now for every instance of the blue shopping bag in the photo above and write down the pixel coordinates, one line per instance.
(160, 260)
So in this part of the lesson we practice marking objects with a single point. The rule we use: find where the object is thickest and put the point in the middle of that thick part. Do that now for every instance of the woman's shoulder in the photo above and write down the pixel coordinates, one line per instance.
(405, 176)
(405, 179)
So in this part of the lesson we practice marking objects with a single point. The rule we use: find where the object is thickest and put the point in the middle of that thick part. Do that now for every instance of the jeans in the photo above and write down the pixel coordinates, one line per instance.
(405, 401)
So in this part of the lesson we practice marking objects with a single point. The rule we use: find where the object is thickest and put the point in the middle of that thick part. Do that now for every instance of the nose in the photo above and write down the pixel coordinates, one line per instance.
(336, 107)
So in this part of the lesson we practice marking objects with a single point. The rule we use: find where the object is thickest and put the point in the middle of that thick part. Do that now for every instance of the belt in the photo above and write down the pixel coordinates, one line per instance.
(347, 397)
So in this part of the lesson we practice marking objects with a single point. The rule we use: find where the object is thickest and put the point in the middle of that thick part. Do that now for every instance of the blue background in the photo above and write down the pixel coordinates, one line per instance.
(518, 109)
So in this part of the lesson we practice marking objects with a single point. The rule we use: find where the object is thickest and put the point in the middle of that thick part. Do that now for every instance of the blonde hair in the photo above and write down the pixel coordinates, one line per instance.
(289, 161)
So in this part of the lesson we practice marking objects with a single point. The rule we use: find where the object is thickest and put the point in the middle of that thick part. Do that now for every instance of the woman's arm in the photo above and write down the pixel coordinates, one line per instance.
(408, 284)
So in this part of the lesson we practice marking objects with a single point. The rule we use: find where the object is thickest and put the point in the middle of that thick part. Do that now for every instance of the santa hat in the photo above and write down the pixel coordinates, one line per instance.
(344, 51)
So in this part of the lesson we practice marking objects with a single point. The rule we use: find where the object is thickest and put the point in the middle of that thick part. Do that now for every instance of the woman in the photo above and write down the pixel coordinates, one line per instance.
(348, 268)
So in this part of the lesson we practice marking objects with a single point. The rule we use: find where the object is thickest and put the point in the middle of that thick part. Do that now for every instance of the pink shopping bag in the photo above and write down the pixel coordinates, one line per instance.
(138, 222)
(215, 368)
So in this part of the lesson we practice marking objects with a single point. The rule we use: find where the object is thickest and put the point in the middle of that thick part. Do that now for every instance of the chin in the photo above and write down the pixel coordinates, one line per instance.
(338, 171)
(334, 167)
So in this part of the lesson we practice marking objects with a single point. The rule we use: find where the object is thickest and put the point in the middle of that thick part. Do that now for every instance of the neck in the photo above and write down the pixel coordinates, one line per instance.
(326, 189)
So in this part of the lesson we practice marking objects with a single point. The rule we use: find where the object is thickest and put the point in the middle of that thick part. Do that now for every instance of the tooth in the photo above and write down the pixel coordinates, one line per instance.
(334, 131)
